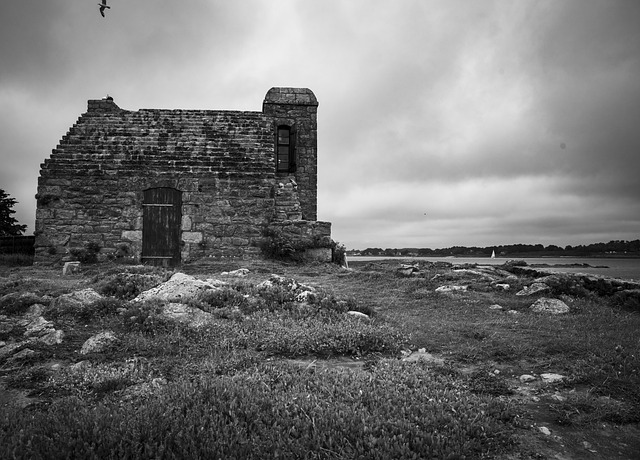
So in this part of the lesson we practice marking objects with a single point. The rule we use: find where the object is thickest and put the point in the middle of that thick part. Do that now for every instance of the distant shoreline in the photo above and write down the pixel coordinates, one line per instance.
(506, 257)
(615, 267)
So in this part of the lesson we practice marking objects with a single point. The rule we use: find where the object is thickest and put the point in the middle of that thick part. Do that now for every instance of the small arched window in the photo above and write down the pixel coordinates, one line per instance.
(285, 149)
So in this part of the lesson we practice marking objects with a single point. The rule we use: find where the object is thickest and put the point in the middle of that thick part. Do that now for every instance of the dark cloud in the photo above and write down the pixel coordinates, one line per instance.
(458, 110)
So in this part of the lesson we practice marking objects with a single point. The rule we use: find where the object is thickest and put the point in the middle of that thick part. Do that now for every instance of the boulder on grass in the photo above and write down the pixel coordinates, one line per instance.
(78, 299)
(99, 343)
(551, 306)
(451, 288)
(535, 288)
(359, 315)
(191, 316)
(241, 272)
(408, 270)
(179, 289)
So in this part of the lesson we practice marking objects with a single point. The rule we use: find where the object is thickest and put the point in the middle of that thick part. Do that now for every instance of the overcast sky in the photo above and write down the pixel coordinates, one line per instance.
(440, 123)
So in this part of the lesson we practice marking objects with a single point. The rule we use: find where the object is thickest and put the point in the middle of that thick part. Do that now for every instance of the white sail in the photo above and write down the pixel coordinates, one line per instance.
(493, 254)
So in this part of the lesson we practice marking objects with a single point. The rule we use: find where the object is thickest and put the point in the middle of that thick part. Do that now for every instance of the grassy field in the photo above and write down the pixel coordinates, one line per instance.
(429, 375)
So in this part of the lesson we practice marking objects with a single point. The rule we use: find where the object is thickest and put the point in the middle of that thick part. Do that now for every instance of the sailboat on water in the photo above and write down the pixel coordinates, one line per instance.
(493, 254)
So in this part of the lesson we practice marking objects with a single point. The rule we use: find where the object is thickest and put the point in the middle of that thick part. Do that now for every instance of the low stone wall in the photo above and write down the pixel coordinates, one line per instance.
(314, 234)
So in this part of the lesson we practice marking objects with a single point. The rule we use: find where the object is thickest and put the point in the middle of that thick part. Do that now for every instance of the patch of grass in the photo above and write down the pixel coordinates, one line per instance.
(226, 378)
(395, 411)
(628, 300)
(582, 409)
(28, 377)
(147, 318)
(99, 378)
(227, 297)
(127, 285)
(17, 303)
(97, 309)
(325, 334)
(485, 382)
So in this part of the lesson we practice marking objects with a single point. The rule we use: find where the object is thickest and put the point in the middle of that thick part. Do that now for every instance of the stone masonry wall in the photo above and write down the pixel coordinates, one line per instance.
(91, 189)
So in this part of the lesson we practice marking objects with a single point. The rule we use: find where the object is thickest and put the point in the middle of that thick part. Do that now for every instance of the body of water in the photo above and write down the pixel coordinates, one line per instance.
(611, 267)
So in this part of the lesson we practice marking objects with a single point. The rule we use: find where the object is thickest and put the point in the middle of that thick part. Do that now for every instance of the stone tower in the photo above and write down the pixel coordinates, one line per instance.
(297, 109)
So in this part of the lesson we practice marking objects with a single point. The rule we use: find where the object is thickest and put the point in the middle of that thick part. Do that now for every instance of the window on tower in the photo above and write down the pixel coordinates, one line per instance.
(285, 149)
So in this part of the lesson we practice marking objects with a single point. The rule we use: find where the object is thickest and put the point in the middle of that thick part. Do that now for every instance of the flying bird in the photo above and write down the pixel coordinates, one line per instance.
(103, 5)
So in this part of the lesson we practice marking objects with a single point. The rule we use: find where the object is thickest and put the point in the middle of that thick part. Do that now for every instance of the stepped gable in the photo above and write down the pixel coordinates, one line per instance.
(108, 139)
(165, 186)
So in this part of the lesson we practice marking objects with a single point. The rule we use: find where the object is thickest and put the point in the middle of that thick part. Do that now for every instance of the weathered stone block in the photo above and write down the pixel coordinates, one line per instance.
(318, 254)
(132, 235)
(192, 237)
(186, 223)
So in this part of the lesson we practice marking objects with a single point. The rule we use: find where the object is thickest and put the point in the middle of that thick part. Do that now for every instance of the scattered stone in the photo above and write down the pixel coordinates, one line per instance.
(19, 299)
(551, 378)
(495, 306)
(357, 314)
(78, 299)
(216, 283)
(99, 343)
(544, 430)
(304, 296)
(483, 275)
(288, 284)
(185, 314)
(6, 324)
(466, 271)
(408, 270)
(551, 306)
(535, 288)
(9, 349)
(587, 445)
(35, 310)
(144, 389)
(513, 312)
(503, 286)
(21, 355)
(405, 353)
(422, 355)
(179, 288)
(80, 365)
(558, 397)
(53, 337)
(451, 288)
(70, 268)
(37, 326)
(524, 378)
(241, 272)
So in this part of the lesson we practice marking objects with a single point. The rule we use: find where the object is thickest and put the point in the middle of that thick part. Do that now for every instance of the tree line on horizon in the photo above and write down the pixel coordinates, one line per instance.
(618, 247)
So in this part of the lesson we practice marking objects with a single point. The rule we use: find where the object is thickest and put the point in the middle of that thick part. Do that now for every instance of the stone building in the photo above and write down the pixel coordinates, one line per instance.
(168, 186)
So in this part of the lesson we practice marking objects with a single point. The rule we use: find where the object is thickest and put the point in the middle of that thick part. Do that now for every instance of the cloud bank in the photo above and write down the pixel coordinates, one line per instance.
(440, 123)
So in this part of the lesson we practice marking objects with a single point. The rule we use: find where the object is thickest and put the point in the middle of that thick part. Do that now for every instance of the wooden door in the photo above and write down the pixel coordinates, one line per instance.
(161, 223)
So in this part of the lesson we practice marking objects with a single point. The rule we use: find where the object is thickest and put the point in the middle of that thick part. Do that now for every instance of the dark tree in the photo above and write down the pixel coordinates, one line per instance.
(8, 224)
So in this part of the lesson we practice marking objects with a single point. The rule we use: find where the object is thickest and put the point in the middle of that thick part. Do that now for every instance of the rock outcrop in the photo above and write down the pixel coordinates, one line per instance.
(551, 306)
